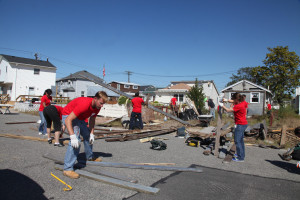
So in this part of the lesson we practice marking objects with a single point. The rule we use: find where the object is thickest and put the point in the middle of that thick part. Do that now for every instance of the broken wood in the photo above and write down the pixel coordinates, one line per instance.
(139, 136)
(131, 97)
(218, 135)
(230, 154)
(116, 182)
(283, 135)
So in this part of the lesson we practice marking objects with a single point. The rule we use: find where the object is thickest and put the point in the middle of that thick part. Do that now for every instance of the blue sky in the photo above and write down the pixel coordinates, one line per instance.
(159, 41)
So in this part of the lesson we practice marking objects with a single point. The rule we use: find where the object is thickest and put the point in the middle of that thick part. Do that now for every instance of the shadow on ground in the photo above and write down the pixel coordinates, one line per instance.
(18, 186)
(220, 184)
(290, 167)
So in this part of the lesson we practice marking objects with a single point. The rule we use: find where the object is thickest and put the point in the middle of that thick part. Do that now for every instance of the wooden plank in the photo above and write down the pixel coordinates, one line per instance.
(145, 167)
(139, 136)
(217, 143)
(230, 154)
(115, 182)
(92, 170)
(22, 137)
(283, 136)
(131, 97)
(131, 166)
(161, 164)
(20, 122)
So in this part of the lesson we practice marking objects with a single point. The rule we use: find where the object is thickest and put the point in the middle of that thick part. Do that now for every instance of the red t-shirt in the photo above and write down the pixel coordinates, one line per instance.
(245, 103)
(81, 107)
(173, 100)
(46, 100)
(59, 110)
(239, 111)
(137, 104)
(269, 107)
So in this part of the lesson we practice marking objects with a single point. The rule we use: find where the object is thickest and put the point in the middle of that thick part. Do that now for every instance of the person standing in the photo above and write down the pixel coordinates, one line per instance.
(45, 101)
(53, 113)
(74, 115)
(136, 114)
(270, 113)
(239, 111)
(174, 106)
(211, 107)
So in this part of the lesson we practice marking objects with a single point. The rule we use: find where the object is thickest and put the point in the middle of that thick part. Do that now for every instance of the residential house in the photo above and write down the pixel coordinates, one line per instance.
(256, 95)
(25, 76)
(75, 85)
(129, 88)
(181, 88)
(148, 90)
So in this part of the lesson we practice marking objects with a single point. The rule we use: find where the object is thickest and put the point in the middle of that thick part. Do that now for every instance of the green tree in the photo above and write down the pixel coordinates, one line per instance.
(280, 72)
(196, 94)
(245, 73)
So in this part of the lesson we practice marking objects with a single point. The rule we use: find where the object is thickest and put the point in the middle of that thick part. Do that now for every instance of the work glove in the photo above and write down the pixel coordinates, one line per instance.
(221, 104)
(225, 100)
(74, 141)
(92, 138)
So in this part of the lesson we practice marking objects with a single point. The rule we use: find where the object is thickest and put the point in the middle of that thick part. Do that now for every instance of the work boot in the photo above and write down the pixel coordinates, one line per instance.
(71, 174)
(95, 159)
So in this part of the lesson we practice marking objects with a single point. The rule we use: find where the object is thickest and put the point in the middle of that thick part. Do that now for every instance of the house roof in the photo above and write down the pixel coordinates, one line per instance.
(179, 86)
(92, 90)
(191, 82)
(255, 85)
(76, 75)
(27, 61)
(146, 87)
(125, 83)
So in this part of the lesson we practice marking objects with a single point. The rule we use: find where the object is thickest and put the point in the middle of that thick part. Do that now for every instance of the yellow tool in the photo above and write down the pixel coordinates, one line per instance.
(65, 189)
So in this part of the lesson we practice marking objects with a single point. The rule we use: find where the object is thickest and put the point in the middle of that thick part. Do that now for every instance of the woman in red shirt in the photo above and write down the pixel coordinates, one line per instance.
(45, 101)
(239, 110)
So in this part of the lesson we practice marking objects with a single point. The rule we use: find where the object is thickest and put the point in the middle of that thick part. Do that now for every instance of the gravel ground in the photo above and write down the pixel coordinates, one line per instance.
(24, 158)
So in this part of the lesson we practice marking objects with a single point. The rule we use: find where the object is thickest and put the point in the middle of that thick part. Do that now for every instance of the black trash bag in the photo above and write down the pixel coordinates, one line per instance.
(158, 145)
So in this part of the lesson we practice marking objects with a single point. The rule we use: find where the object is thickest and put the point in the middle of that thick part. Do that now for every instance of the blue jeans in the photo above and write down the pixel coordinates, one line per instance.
(43, 124)
(80, 128)
(212, 112)
(239, 141)
(135, 121)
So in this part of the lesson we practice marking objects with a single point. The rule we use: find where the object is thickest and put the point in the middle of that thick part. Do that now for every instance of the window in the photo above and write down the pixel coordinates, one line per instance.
(126, 86)
(135, 87)
(36, 71)
(31, 91)
(118, 86)
(82, 93)
(254, 97)
(180, 97)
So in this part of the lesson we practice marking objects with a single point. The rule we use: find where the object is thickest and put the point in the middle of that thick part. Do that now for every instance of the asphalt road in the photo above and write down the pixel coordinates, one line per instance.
(25, 173)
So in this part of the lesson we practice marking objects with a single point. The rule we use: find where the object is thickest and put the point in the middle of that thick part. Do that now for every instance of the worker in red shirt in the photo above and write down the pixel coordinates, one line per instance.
(239, 111)
(74, 114)
(45, 101)
(269, 113)
(53, 113)
(136, 114)
(173, 105)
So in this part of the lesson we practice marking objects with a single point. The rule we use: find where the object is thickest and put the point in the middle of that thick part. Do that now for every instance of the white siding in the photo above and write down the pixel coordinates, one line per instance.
(21, 77)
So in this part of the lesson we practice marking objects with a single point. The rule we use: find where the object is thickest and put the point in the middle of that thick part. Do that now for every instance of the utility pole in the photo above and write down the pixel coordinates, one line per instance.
(128, 73)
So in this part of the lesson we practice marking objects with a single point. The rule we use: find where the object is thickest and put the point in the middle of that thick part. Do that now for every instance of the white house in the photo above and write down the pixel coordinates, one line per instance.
(181, 88)
(24, 76)
(75, 85)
